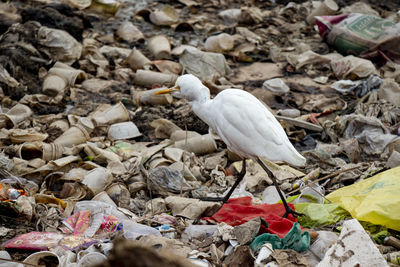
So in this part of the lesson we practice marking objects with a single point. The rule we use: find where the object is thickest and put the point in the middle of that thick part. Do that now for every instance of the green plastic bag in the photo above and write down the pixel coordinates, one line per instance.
(295, 239)
(318, 215)
(375, 200)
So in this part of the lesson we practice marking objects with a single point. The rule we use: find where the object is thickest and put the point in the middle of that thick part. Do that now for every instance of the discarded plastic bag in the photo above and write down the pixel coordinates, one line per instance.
(358, 34)
(204, 65)
(360, 88)
(294, 239)
(319, 215)
(374, 200)
(240, 210)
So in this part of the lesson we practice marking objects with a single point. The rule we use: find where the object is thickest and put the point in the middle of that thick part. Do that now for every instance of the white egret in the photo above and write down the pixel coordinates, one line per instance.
(245, 125)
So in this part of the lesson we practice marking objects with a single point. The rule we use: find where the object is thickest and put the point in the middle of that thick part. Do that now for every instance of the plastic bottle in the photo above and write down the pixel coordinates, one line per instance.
(133, 230)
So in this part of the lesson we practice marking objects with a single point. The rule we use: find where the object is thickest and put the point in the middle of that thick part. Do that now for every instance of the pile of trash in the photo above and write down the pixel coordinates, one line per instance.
(96, 169)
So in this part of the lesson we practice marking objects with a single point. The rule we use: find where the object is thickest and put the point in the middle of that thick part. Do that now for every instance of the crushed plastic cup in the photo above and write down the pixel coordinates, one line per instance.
(200, 145)
(97, 179)
(327, 7)
(276, 86)
(68, 73)
(15, 115)
(45, 151)
(219, 43)
(114, 114)
(73, 136)
(53, 84)
(159, 47)
(123, 130)
(149, 97)
(129, 32)
(136, 60)
(149, 78)
(38, 257)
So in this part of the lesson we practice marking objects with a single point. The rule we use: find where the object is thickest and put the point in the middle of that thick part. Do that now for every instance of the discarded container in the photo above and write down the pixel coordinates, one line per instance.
(159, 47)
(164, 17)
(38, 257)
(41, 150)
(123, 130)
(73, 136)
(129, 32)
(97, 179)
(15, 115)
(53, 84)
(219, 43)
(149, 97)
(326, 7)
(149, 78)
(137, 60)
(276, 86)
(114, 114)
(68, 73)
(265, 251)
(199, 145)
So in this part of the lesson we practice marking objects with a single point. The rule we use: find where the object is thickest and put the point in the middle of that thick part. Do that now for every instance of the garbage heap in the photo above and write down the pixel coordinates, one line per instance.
(96, 169)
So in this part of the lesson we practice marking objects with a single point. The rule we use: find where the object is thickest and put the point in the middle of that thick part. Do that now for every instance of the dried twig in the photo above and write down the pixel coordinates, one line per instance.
(326, 177)
(183, 158)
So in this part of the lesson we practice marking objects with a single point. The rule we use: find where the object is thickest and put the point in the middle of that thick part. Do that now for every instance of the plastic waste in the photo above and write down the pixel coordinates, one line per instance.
(354, 241)
(360, 34)
(326, 7)
(317, 250)
(133, 230)
(319, 215)
(373, 200)
(265, 251)
(123, 130)
(219, 43)
(276, 86)
(198, 232)
(360, 87)
(270, 195)
(294, 239)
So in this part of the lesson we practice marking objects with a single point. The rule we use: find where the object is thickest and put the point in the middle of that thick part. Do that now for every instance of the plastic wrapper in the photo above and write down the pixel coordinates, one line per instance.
(374, 200)
(319, 215)
(359, 34)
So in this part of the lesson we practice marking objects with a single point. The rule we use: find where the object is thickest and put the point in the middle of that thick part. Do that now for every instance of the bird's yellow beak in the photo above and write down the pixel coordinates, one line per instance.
(168, 91)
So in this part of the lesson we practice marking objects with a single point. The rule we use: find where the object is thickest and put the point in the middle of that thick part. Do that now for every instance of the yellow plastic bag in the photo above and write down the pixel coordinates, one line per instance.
(375, 200)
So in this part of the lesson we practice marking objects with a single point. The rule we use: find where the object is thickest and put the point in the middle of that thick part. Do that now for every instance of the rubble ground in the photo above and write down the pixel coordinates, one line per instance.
(97, 168)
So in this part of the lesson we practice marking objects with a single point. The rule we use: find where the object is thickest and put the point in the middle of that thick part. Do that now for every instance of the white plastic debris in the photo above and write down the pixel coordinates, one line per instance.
(353, 248)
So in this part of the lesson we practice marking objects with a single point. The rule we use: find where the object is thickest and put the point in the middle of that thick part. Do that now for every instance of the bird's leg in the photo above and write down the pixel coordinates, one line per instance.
(288, 209)
(239, 178)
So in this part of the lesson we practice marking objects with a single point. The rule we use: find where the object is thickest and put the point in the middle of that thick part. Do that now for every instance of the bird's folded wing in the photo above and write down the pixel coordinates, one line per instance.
(239, 115)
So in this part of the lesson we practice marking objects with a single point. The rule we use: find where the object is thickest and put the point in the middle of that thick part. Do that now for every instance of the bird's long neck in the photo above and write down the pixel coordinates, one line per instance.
(200, 105)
